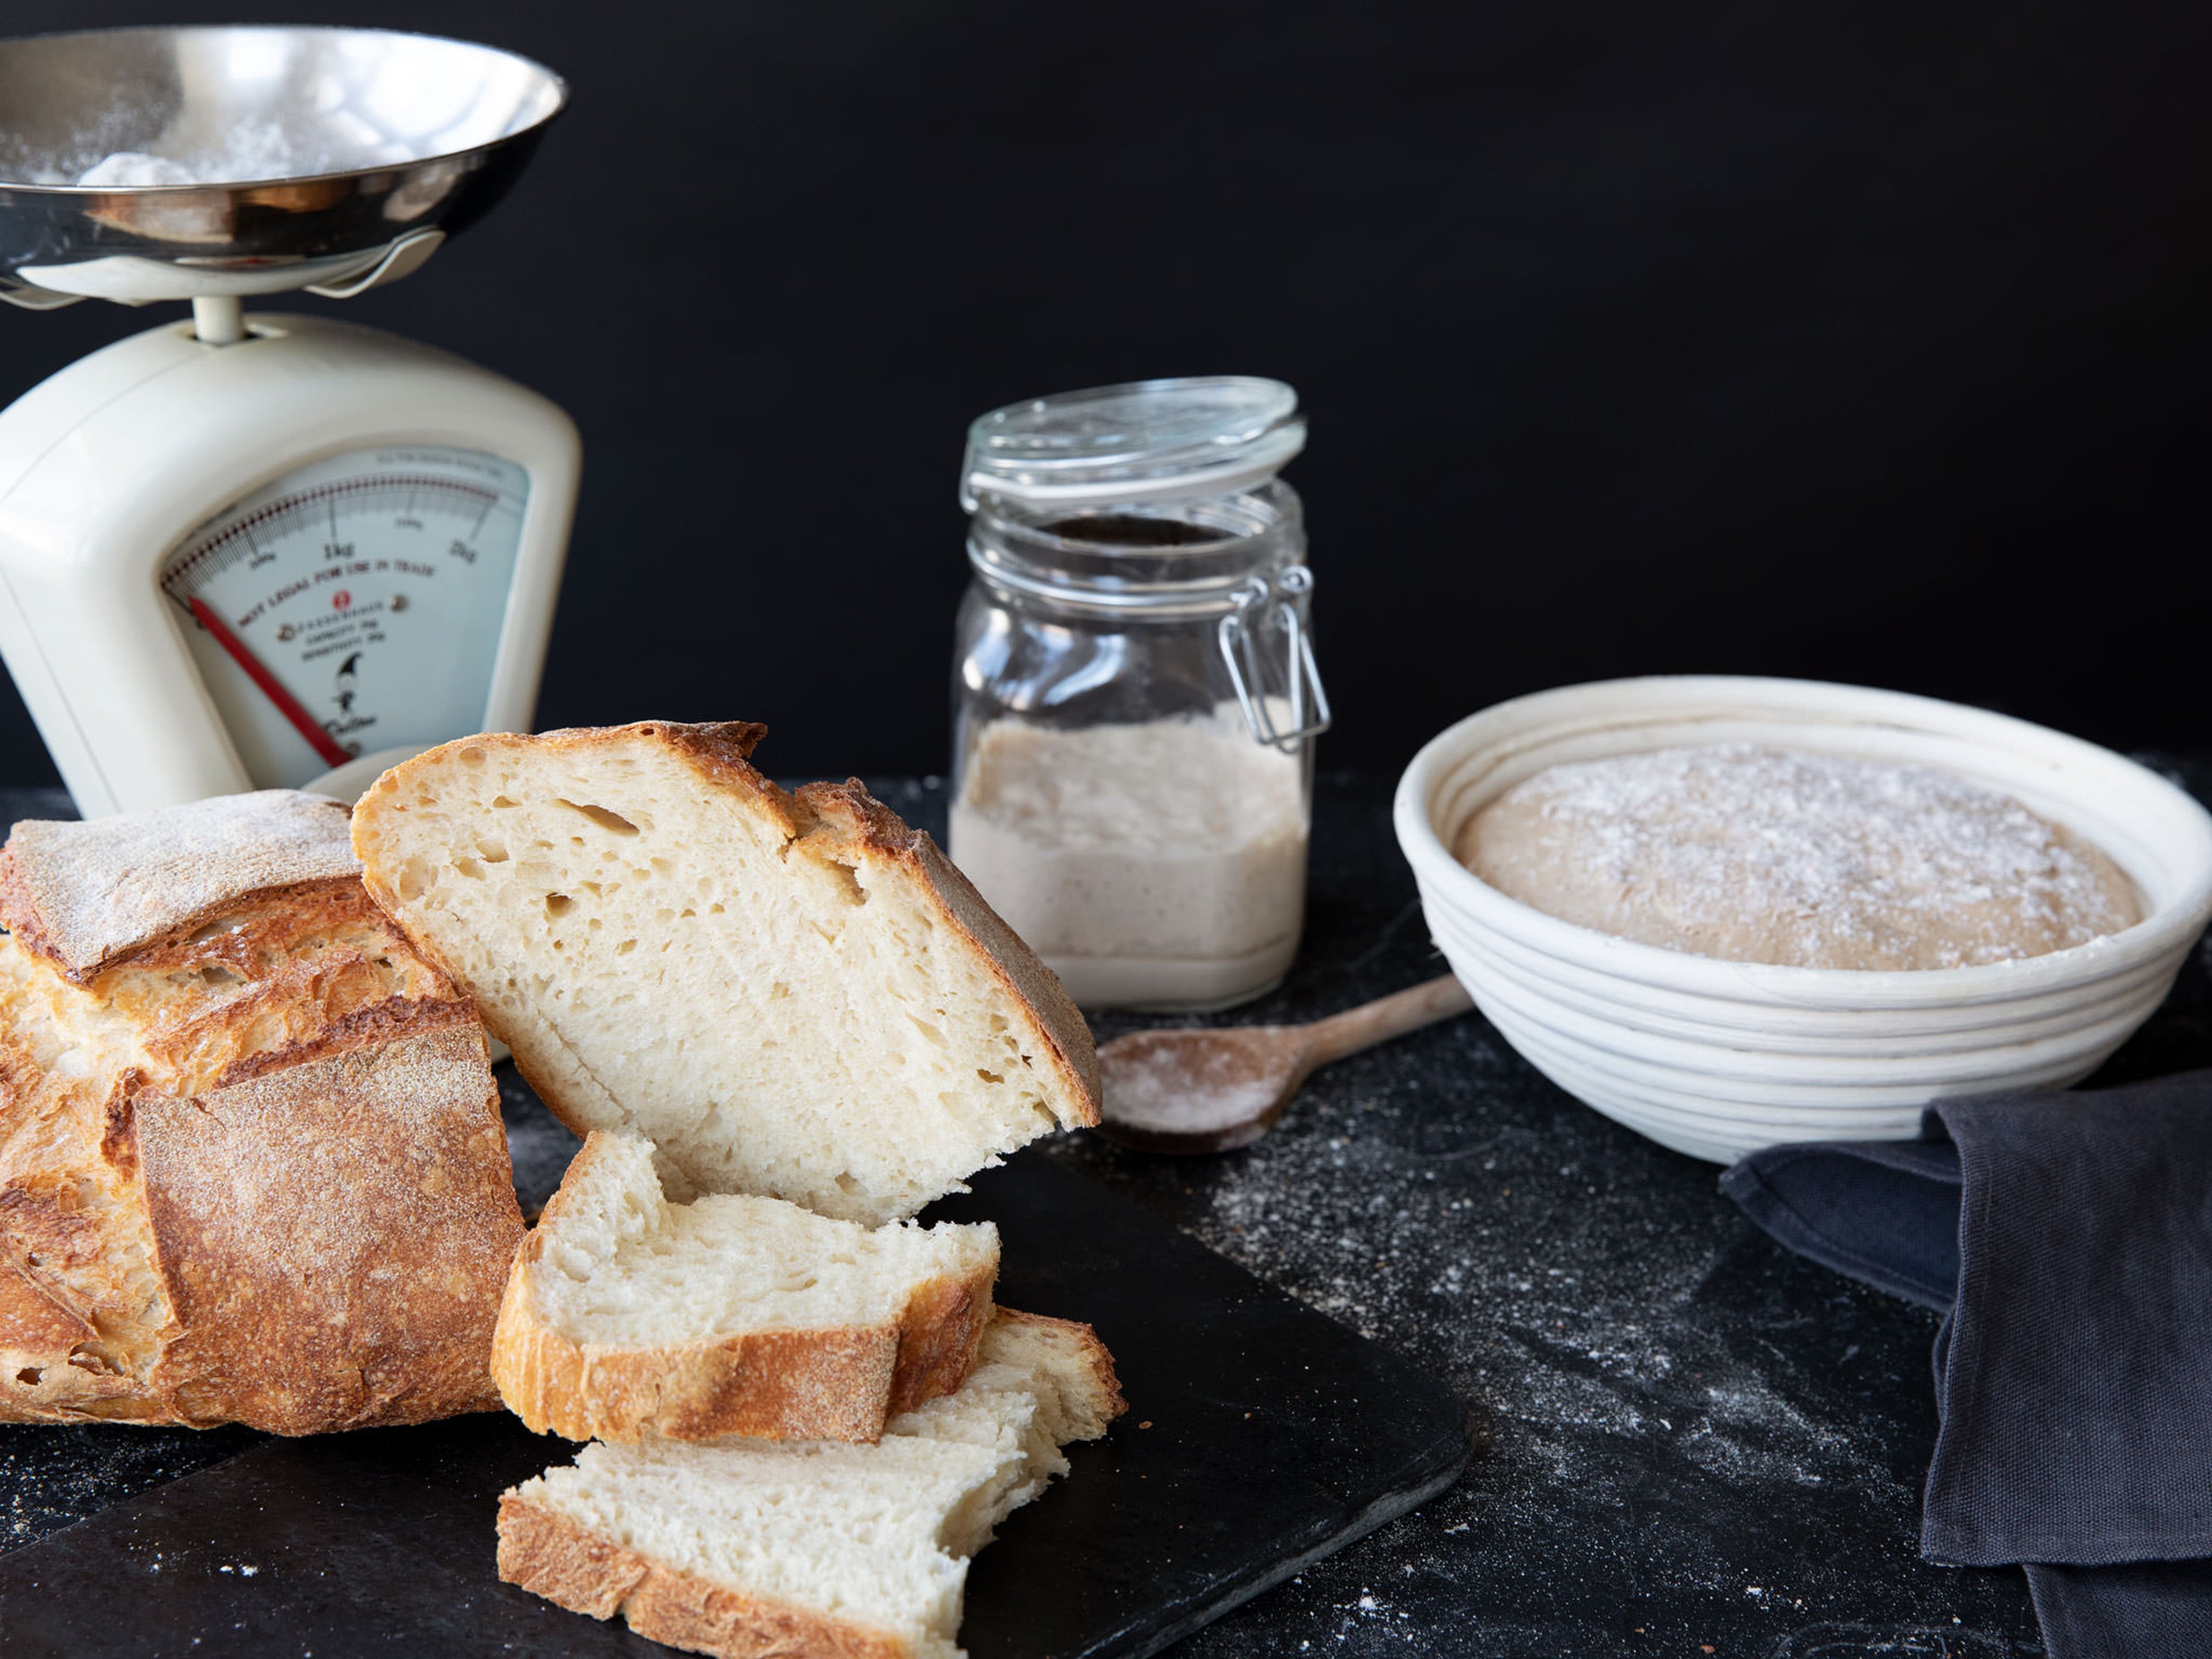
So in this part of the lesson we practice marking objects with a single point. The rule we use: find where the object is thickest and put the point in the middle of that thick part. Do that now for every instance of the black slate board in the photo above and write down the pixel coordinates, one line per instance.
(1261, 1435)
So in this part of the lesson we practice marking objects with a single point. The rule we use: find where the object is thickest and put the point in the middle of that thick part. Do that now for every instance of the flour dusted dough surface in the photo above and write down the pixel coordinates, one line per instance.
(1752, 853)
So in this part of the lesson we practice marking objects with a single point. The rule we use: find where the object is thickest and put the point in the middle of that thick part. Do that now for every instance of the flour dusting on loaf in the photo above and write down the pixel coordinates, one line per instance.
(792, 995)
(83, 894)
(1792, 857)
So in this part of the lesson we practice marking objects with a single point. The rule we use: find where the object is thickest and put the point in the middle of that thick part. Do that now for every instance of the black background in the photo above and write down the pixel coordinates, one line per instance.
(1862, 341)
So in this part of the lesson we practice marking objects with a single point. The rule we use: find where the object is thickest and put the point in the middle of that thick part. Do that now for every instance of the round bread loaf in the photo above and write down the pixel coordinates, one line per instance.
(1795, 857)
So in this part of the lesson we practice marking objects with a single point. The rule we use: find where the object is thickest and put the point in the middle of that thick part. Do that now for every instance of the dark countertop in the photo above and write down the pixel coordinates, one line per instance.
(1687, 1441)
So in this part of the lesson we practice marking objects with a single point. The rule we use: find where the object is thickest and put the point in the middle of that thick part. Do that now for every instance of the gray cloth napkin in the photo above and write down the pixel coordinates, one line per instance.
(2074, 1373)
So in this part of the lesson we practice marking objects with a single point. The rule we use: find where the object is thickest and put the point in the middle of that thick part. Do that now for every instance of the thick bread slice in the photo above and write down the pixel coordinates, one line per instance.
(812, 1550)
(793, 995)
(251, 1165)
(627, 1316)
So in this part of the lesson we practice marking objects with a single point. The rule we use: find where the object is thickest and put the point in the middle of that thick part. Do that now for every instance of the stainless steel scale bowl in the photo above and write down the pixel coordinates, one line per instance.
(376, 146)
(266, 550)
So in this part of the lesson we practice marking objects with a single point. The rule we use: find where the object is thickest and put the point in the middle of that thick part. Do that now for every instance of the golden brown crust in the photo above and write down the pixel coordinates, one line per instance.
(332, 1237)
(773, 1385)
(552, 1556)
(939, 1338)
(292, 975)
(839, 1382)
(269, 1181)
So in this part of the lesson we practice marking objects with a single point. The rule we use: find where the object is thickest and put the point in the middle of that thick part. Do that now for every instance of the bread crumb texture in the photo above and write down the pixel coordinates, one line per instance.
(809, 1548)
(252, 1169)
(1796, 857)
(792, 995)
(627, 1316)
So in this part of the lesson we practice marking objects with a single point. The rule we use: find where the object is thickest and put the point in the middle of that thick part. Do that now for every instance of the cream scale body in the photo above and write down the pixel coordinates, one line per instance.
(258, 550)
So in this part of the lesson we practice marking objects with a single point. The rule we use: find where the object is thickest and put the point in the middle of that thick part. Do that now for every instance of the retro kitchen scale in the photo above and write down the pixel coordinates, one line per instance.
(258, 551)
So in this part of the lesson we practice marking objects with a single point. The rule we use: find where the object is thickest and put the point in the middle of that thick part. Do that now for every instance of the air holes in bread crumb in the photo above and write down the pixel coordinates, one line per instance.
(558, 904)
(847, 878)
(29, 1377)
(505, 801)
(492, 852)
(626, 947)
(989, 1076)
(472, 755)
(603, 817)
(470, 868)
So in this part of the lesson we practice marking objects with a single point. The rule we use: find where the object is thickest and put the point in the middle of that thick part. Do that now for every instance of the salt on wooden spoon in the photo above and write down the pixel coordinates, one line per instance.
(1210, 1091)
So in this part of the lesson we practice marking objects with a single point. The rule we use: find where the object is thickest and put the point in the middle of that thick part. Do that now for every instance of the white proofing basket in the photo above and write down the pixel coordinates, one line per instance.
(1715, 1058)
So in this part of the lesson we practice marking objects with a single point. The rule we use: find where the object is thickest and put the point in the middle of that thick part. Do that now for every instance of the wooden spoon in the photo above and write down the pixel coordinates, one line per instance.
(1210, 1090)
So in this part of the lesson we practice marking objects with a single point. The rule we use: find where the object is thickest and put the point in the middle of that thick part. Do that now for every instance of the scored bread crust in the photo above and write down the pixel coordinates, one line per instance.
(85, 895)
(835, 1383)
(249, 1172)
(550, 1555)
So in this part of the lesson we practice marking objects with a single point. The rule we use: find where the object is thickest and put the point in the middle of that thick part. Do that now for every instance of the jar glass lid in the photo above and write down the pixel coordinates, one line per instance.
(1208, 434)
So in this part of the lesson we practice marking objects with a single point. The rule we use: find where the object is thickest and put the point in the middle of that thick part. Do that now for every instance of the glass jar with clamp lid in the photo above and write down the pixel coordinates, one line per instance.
(1135, 693)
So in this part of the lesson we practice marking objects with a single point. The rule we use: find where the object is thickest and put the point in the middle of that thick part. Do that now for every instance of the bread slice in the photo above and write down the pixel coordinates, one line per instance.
(813, 1549)
(626, 1315)
(790, 995)
(251, 1165)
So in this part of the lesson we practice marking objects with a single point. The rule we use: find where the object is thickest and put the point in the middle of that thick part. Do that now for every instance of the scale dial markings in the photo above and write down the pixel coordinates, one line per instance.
(370, 586)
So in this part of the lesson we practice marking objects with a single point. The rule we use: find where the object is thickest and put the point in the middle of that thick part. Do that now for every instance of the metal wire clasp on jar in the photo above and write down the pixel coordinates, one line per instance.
(1135, 691)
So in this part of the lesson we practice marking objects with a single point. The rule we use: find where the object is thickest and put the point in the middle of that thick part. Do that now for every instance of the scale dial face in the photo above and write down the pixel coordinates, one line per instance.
(352, 605)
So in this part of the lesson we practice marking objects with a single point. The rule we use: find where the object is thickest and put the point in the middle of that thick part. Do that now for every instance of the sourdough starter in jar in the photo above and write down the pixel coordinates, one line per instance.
(1158, 862)
(1135, 693)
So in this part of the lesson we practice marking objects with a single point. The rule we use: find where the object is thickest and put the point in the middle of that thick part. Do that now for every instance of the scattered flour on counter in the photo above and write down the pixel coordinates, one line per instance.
(1795, 857)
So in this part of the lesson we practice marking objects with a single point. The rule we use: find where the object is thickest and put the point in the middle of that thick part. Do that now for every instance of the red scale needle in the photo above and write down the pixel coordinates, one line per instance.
(286, 704)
